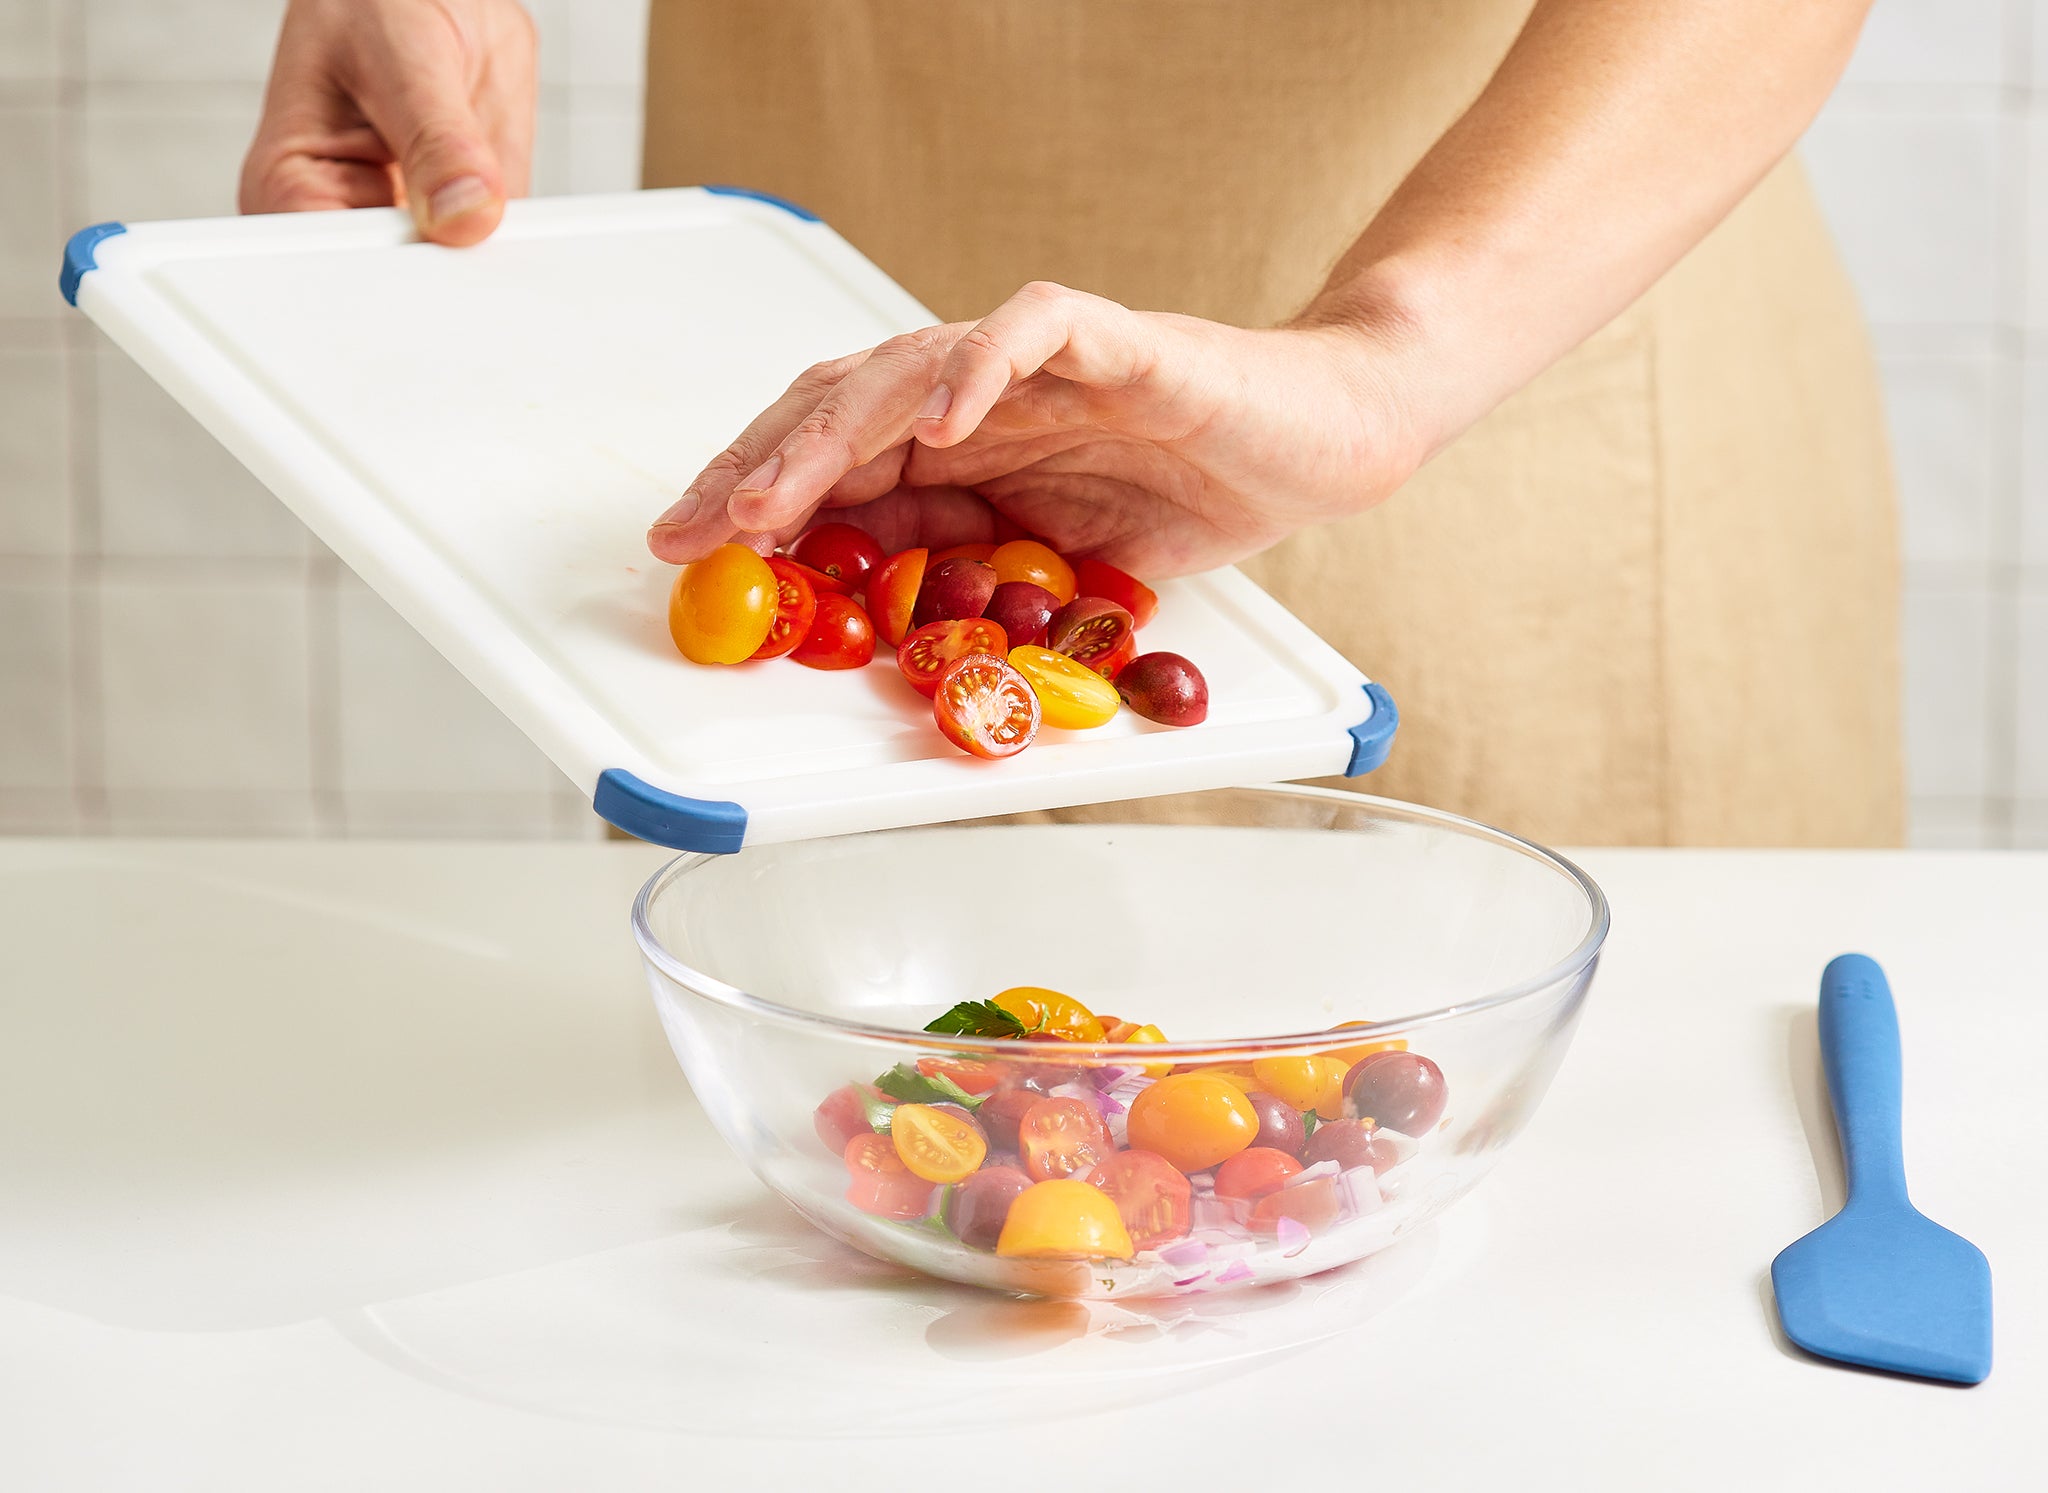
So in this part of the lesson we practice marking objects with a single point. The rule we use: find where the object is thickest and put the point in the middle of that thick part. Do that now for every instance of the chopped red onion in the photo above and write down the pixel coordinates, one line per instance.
(1184, 1252)
(1293, 1235)
(1183, 1284)
(1360, 1190)
(1314, 1173)
(1208, 1211)
(1081, 1091)
(1110, 1077)
(1236, 1271)
(1109, 1104)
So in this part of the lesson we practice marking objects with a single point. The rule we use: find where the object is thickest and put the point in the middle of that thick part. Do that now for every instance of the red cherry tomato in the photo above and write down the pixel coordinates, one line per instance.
(985, 707)
(879, 1183)
(1094, 578)
(892, 593)
(1152, 1197)
(1002, 1113)
(1090, 631)
(796, 608)
(1122, 654)
(840, 551)
(971, 1074)
(843, 1115)
(1403, 1091)
(841, 637)
(821, 583)
(1040, 564)
(1254, 1172)
(1059, 1137)
(978, 1206)
(927, 651)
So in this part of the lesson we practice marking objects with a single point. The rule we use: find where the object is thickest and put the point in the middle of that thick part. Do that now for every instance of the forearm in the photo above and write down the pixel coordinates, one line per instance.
(1615, 134)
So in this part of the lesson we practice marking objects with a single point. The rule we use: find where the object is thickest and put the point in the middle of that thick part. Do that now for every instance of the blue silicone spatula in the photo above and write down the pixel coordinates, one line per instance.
(1879, 1284)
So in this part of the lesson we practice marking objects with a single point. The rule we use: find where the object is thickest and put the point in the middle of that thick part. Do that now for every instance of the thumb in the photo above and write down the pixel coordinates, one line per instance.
(454, 185)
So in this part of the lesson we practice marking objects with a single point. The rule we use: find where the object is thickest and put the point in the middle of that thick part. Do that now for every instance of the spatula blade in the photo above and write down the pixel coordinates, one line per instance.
(1888, 1289)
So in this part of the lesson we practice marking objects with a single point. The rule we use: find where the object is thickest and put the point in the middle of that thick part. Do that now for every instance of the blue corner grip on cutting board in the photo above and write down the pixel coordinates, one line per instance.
(1373, 738)
(768, 197)
(81, 254)
(647, 813)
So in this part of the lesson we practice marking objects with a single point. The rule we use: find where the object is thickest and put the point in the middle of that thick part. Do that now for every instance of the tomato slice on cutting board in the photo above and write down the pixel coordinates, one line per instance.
(926, 653)
(985, 708)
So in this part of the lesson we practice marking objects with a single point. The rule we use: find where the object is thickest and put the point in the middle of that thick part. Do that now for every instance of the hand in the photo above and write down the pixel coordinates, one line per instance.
(1160, 443)
(426, 104)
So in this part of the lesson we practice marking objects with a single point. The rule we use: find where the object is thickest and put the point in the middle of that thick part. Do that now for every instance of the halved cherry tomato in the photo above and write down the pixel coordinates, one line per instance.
(1058, 1137)
(1071, 696)
(1002, 1114)
(879, 1183)
(1312, 1204)
(936, 1145)
(840, 551)
(821, 583)
(1093, 632)
(1040, 564)
(1363, 1050)
(971, 1074)
(926, 652)
(984, 707)
(1113, 665)
(721, 607)
(1095, 578)
(1194, 1120)
(892, 593)
(1050, 1013)
(1306, 1082)
(979, 552)
(1148, 1033)
(796, 608)
(841, 637)
(1251, 1173)
(1064, 1219)
(1151, 1197)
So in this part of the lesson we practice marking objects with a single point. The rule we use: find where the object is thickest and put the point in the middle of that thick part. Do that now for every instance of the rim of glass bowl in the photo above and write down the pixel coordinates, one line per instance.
(711, 988)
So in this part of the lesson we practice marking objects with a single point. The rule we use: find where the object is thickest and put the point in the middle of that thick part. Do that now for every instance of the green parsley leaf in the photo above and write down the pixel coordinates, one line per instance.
(978, 1019)
(875, 1112)
(904, 1082)
(1309, 1121)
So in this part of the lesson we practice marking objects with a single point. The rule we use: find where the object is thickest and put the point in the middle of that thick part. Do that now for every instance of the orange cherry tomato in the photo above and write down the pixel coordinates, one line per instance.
(892, 593)
(1051, 1013)
(1095, 578)
(928, 650)
(1350, 1055)
(879, 1183)
(721, 607)
(1071, 696)
(1252, 1173)
(935, 1145)
(1064, 1219)
(1058, 1137)
(1152, 1198)
(984, 707)
(1145, 1034)
(796, 607)
(840, 636)
(979, 552)
(1194, 1120)
(1040, 564)
(1312, 1204)
(1307, 1082)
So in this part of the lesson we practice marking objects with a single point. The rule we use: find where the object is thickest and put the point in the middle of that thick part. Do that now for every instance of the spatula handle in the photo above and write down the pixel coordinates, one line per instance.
(1859, 1045)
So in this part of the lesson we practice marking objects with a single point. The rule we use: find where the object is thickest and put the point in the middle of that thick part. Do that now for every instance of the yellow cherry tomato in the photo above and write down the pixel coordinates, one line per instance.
(722, 607)
(1064, 1219)
(1194, 1120)
(1028, 560)
(936, 1146)
(1307, 1082)
(1350, 1055)
(1049, 1011)
(1071, 695)
(1148, 1033)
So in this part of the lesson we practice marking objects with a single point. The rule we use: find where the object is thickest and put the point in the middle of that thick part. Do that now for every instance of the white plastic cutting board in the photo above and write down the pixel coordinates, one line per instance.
(485, 434)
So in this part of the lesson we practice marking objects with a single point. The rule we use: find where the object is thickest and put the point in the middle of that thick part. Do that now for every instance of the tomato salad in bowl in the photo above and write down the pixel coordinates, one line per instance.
(1001, 638)
(1114, 1131)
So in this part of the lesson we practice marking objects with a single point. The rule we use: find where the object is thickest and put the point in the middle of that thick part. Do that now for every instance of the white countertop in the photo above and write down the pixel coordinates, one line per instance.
(349, 1166)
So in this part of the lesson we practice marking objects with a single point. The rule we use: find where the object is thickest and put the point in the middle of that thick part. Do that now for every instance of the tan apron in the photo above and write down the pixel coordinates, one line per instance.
(1652, 599)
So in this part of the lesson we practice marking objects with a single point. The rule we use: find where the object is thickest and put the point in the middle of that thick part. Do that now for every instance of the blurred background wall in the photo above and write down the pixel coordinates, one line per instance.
(177, 654)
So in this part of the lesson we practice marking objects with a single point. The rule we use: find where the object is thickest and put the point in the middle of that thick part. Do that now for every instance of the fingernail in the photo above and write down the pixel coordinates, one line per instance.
(763, 477)
(681, 511)
(936, 404)
(464, 194)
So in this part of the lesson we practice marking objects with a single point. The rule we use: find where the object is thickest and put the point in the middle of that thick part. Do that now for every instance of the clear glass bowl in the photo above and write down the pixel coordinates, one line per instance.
(1245, 924)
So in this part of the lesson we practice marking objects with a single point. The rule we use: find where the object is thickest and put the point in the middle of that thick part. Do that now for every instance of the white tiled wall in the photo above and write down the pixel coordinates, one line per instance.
(178, 655)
